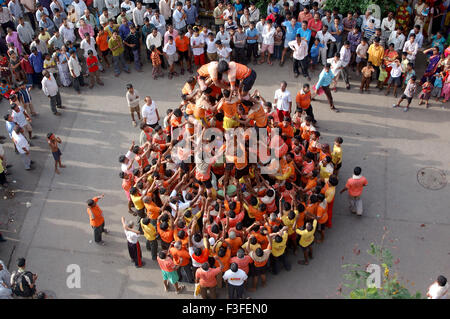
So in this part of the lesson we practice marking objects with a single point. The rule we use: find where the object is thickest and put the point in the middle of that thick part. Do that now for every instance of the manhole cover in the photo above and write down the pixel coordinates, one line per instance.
(431, 178)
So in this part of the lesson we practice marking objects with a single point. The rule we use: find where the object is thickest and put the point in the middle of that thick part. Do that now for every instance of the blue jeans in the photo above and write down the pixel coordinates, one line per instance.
(119, 60)
(137, 61)
(29, 79)
(277, 50)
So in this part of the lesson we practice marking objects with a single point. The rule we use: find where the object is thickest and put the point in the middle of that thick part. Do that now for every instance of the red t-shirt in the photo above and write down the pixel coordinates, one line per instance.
(90, 60)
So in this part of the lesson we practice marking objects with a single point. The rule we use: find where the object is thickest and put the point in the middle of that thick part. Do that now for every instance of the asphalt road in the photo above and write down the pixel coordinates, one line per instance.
(47, 221)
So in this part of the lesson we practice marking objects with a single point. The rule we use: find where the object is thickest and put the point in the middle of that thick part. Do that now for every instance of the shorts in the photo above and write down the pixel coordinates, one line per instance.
(171, 59)
(239, 173)
(321, 227)
(267, 47)
(229, 123)
(249, 81)
(286, 43)
(211, 56)
(199, 59)
(206, 183)
(425, 96)
(172, 276)
(106, 52)
(258, 271)
(396, 81)
(134, 109)
(57, 155)
(27, 127)
(409, 99)
(183, 55)
(304, 248)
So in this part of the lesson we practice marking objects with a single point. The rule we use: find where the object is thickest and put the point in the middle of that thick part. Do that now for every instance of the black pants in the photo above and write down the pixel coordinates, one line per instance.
(327, 91)
(135, 253)
(161, 56)
(98, 232)
(309, 111)
(276, 260)
(239, 55)
(303, 65)
(152, 246)
(252, 49)
(31, 18)
(186, 274)
(78, 81)
(377, 72)
(55, 101)
(37, 78)
(235, 292)
(8, 24)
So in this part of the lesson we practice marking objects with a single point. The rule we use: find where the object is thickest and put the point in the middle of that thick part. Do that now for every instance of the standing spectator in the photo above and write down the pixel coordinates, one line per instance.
(355, 186)
(438, 289)
(138, 15)
(235, 278)
(22, 119)
(156, 62)
(290, 27)
(211, 49)
(26, 33)
(165, 10)
(283, 101)
(300, 48)
(387, 26)
(218, 14)
(170, 52)
(133, 102)
(336, 30)
(325, 37)
(239, 39)
(179, 18)
(198, 47)
(75, 71)
(133, 42)
(6, 19)
(155, 38)
(23, 282)
(29, 7)
(134, 248)
(22, 146)
(254, 12)
(116, 46)
(376, 54)
(96, 219)
(37, 63)
(50, 89)
(252, 43)
(345, 55)
(267, 43)
(53, 142)
(191, 13)
(92, 64)
(411, 47)
(182, 43)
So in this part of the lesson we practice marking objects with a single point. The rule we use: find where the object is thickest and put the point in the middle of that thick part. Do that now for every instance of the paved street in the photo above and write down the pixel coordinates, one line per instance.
(391, 147)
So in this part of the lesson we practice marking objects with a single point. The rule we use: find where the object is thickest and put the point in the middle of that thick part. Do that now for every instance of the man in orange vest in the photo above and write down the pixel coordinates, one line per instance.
(96, 219)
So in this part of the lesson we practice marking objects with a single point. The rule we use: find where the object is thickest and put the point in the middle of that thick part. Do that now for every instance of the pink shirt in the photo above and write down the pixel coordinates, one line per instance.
(87, 28)
(355, 186)
(174, 34)
(317, 25)
(14, 38)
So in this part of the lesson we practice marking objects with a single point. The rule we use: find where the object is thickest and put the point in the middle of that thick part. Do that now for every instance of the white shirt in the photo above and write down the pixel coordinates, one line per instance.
(235, 278)
(283, 99)
(324, 38)
(74, 66)
(345, 56)
(396, 71)
(224, 53)
(79, 7)
(170, 49)
(224, 38)
(412, 47)
(387, 24)
(361, 50)
(178, 21)
(21, 142)
(124, 167)
(149, 113)
(159, 24)
(132, 237)
(300, 50)
(268, 35)
(138, 16)
(156, 41)
(113, 7)
(335, 65)
(438, 292)
(211, 46)
(49, 86)
(67, 33)
(196, 41)
(86, 47)
(397, 40)
(129, 7)
(19, 117)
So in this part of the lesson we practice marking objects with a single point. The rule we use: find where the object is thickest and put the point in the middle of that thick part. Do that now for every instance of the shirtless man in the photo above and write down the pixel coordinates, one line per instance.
(53, 143)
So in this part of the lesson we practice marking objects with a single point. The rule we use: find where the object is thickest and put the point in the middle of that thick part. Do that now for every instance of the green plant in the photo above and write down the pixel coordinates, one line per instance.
(351, 5)
(390, 287)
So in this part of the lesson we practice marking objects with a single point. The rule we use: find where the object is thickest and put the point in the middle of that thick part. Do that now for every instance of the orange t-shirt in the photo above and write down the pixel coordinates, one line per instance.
(183, 253)
(166, 235)
(152, 210)
(97, 213)
(234, 244)
(259, 116)
(182, 44)
(102, 41)
(229, 109)
(355, 186)
(304, 100)
(207, 278)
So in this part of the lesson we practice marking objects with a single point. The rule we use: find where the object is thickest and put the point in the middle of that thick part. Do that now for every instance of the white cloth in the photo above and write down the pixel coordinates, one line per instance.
(397, 40)
(124, 167)
(438, 292)
(21, 142)
(300, 50)
(138, 16)
(396, 71)
(79, 7)
(156, 41)
(211, 46)
(235, 278)
(268, 35)
(411, 47)
(196, 41)
(224, 38)
(345, 56)
(170, 49)
(68, 32)
(88, 46)
(324, 38)
(178, 21)
(159, 23)
(132, 237)
(49, 86)
(336, 66)
(19, 117)
(283, 99)
(149, 113)
(74, 66)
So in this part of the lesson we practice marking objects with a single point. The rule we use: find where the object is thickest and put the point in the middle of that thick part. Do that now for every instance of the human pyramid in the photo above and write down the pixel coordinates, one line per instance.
(229, 184)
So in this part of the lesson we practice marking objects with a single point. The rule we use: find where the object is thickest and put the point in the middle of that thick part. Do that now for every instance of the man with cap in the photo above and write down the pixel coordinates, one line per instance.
(134, 248)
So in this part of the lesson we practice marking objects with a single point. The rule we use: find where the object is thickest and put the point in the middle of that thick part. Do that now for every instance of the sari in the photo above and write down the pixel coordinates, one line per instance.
(431, 68)
(402, 17)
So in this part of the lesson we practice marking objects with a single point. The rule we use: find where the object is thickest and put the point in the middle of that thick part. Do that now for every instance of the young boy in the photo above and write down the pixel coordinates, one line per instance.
(425, 95)
(156, 62)
(408, 94)
(24, 96)
(383, 75)
(53, 141)
(314, 52)
(211, 49)
(409, 73)
(336, 155)
(92, 64)
(366, 73)
(170, 52)
(395, 78)
(223, 52)
(437, 86)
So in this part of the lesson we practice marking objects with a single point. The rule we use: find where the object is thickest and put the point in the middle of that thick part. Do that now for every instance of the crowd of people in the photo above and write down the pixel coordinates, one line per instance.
(221, 220)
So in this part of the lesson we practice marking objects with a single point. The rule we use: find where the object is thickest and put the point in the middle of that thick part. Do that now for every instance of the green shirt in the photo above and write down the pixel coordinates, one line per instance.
(116, 44)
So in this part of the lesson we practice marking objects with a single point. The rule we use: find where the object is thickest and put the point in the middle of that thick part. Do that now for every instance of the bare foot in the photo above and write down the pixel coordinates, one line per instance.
(57, 171)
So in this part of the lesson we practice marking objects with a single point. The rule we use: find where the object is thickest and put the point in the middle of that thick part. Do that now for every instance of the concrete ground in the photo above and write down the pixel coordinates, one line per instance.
(47, 223)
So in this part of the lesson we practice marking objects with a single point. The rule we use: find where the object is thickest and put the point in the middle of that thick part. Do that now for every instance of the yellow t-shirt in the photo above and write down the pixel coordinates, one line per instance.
(137, 201)
(336, 155)
(149, 231)
(289, 223)
(307, 236)
(44, 38)
(279, 248)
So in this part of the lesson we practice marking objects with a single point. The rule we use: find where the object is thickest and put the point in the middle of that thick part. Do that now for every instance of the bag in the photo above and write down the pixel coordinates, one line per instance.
(20, 285)
(320, 91)
(196, 290)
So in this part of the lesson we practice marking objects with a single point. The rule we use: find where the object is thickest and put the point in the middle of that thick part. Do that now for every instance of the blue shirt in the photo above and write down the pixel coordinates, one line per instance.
(291, 31)
(341, 28)
(305, 34)
(239, 7)
(251, 33)
(124, 30)
(325, 79)
(36, 61)
(418, 39)
(48, 23)
(191, 14)
(438, 83)
(438, 43)
(315, 49)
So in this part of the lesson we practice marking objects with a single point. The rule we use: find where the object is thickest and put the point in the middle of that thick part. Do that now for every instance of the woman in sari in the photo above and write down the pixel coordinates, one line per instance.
(390, 55)
(432, 64)
(63, 67)
(403, 16)
(446, 87)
